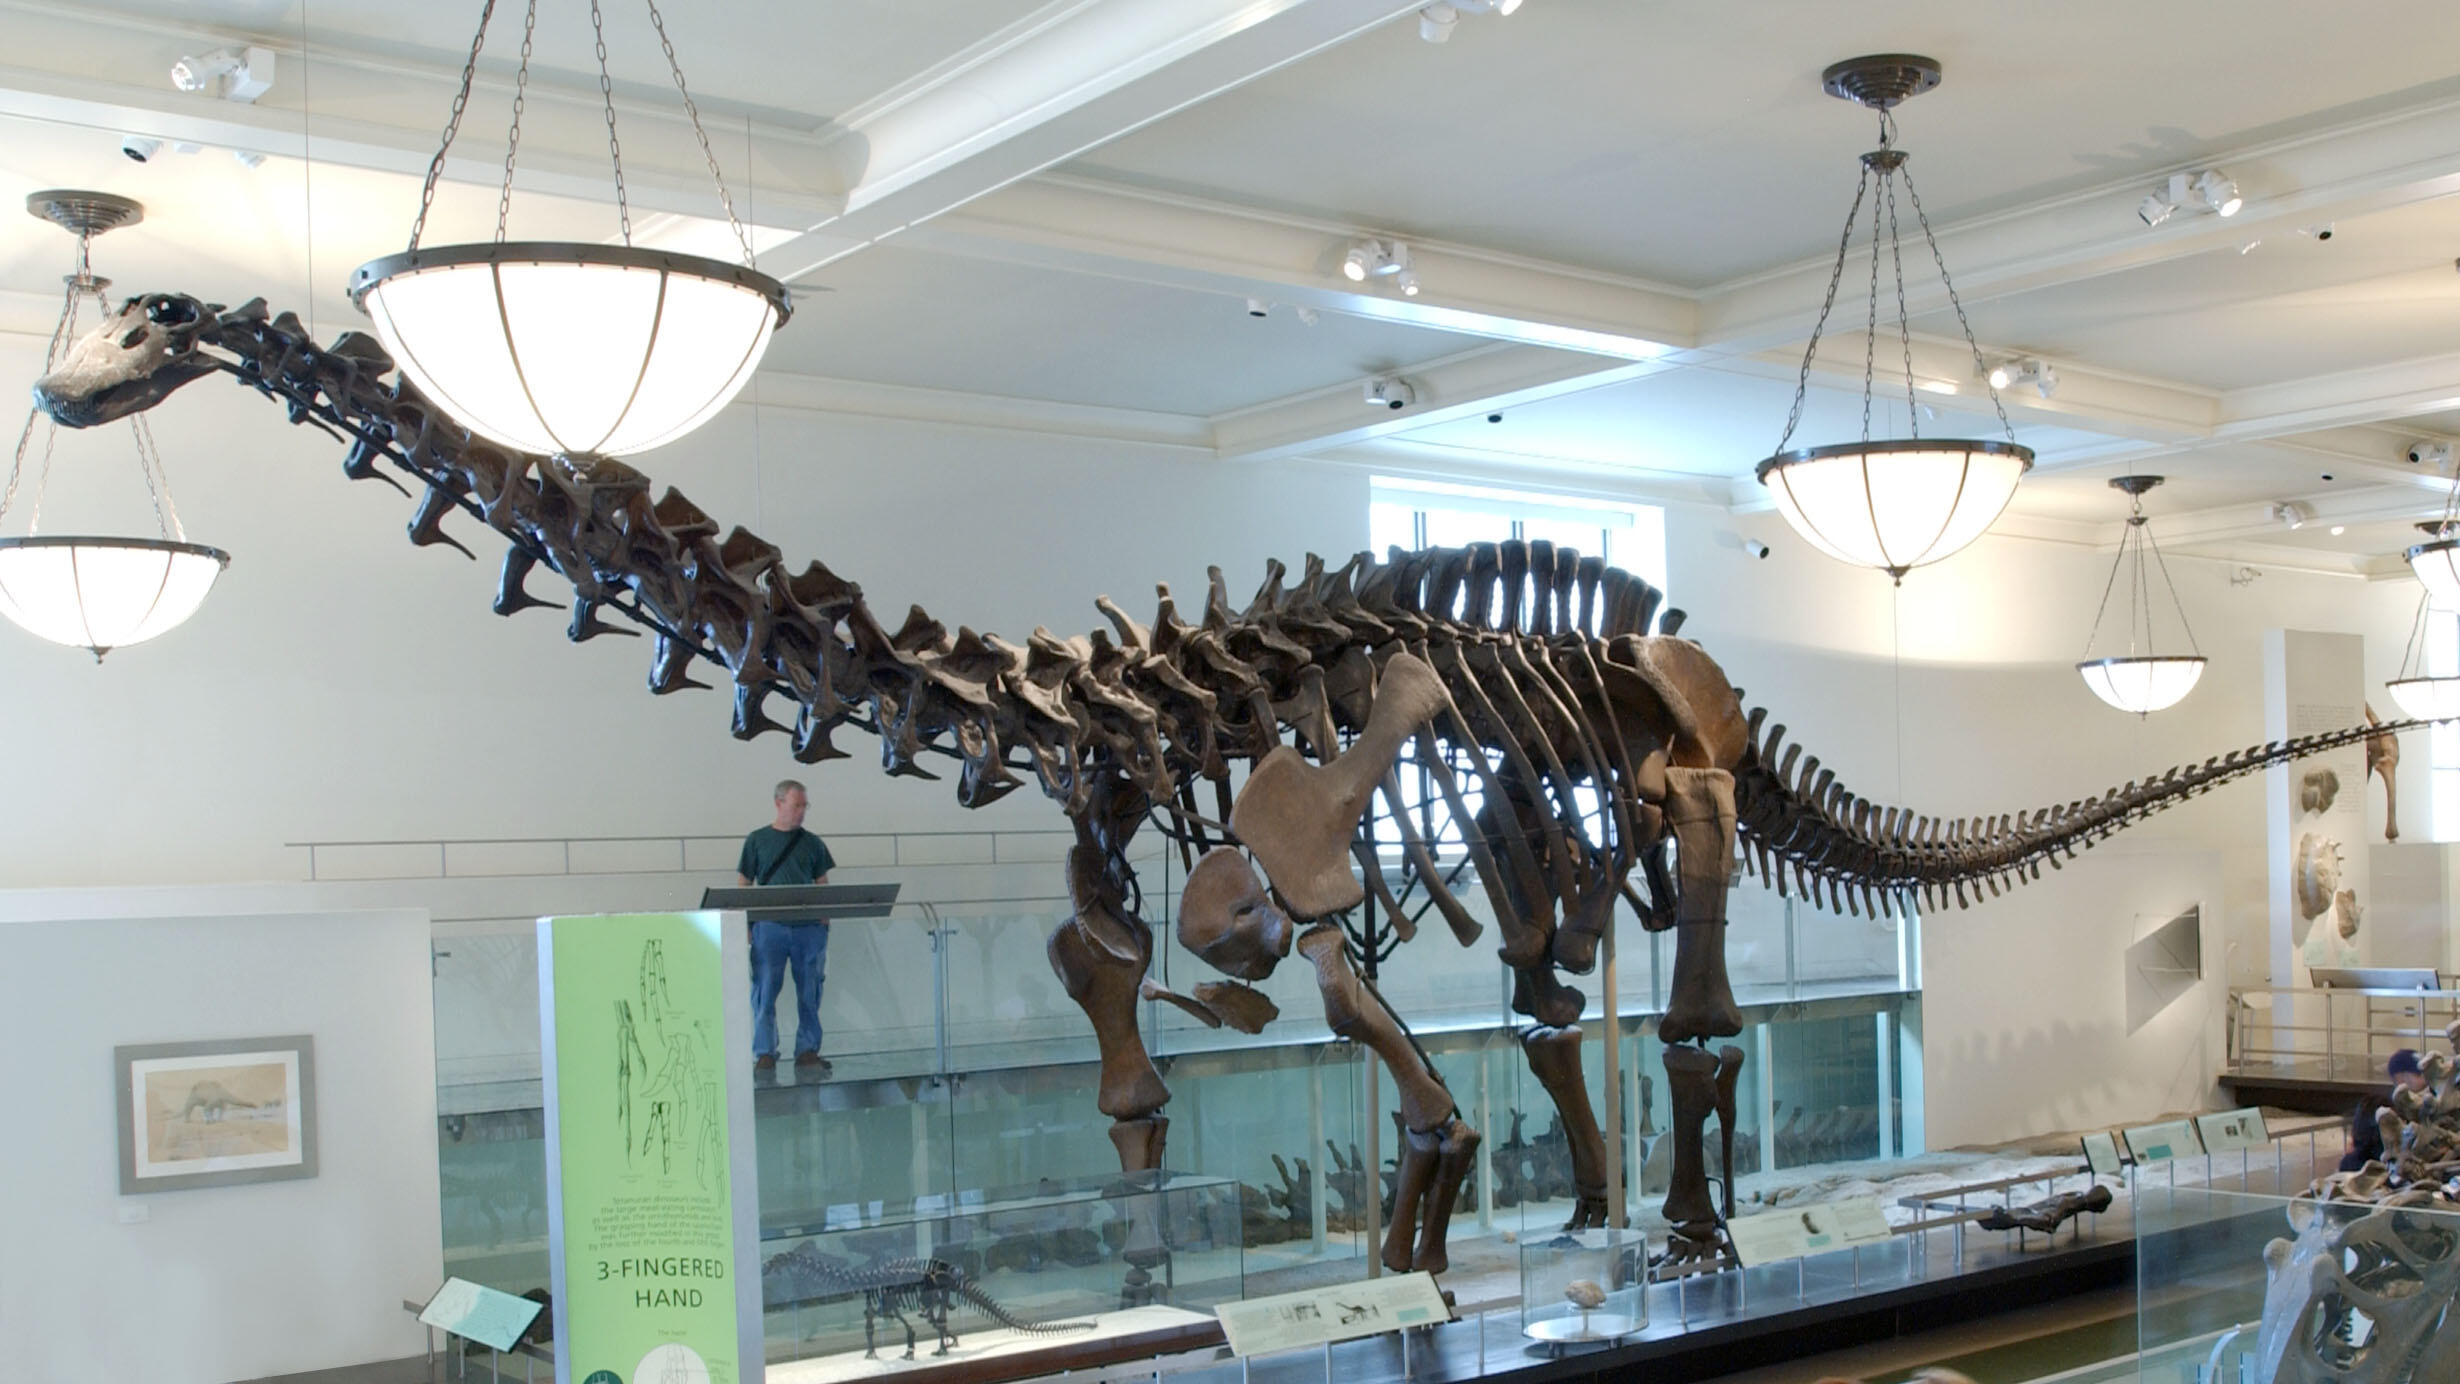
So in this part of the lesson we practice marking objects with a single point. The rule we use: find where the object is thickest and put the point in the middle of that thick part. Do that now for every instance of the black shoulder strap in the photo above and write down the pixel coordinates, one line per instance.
(784, 853)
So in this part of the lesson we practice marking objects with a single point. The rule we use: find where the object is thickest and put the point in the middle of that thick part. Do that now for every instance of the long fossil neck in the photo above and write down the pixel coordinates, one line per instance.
(1803, 832)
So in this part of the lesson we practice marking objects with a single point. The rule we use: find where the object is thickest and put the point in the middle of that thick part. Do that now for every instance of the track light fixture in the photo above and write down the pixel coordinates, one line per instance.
(234, 74)
(2294, 514)
(2207, 189)
(2032, 370)
(1435, 21)
(1371, 258)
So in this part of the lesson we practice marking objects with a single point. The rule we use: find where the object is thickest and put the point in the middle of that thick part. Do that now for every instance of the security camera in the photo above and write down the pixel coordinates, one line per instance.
(138, 148)
(1257, 307)
(1756, 548)
(2428, 452)
(1390, 391)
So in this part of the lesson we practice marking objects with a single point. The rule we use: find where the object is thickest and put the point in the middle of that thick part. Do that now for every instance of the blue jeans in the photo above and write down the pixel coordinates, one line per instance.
(777, 948)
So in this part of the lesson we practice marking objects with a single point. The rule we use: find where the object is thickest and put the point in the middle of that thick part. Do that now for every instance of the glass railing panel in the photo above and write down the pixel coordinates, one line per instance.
(1823, 1080)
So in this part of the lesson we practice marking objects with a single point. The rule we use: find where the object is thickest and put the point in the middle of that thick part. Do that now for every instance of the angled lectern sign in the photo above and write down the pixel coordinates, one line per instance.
(652, 1190)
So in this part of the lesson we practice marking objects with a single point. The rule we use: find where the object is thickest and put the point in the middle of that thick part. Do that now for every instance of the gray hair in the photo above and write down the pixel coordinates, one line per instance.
(785, 786)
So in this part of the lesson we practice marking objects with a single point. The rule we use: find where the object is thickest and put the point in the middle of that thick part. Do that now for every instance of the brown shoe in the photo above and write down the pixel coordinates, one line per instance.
(811, 1064)
(766, 1062)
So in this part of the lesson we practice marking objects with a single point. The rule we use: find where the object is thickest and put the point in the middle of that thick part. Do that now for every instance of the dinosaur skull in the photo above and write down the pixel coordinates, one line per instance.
(1226, 918)
(133, 361)
(2357, 1296)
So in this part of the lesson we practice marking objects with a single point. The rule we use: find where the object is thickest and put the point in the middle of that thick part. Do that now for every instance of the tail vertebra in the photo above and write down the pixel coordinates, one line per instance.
(983, 1303)
(1846, 852)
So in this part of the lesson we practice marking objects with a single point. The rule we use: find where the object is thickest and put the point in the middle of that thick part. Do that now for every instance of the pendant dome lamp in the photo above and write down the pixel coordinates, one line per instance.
(86, 591)
(2146, 682)
(2423, 696)
(568, 348)
(1890, 503)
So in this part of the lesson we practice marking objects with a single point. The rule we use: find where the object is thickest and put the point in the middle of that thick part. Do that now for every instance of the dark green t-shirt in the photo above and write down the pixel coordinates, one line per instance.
(805, 857)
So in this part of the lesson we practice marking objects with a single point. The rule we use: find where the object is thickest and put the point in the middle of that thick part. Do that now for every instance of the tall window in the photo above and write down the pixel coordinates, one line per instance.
(1429, 514)
(1434, 514)
(2443, 739)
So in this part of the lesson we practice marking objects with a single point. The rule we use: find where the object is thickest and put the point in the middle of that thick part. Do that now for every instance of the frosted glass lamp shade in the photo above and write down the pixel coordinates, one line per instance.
(1895, 505)
(2427, 699)
(571, 349)
(2142, 685)
(103, 593)
(2437, 564)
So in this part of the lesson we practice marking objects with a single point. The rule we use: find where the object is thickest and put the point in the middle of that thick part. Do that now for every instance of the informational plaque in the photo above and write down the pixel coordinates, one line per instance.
(1341, 1312)
(2102, 1154)
(2158, 1143)
(652, 1191)
(475, 1312)
(2233, 1130)
(1775, 1236)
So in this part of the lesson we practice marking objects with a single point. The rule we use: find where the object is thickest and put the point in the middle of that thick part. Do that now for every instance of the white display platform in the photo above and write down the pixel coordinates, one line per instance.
(993, 1341)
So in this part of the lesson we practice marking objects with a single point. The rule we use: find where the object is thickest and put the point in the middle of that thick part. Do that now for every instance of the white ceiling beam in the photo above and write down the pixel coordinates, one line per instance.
(2390, 160)
(1488, 378)
(107, 71)
(1414, 459)
(1091, 227)
(1047, 91)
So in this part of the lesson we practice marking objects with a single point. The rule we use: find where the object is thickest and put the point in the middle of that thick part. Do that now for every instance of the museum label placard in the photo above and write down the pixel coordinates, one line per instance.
(1772, 1237)
(648, 1099)
(2101, 1153)
(2159, 1143)
(1341, 1312)
(475, 1312)
(2231, 1131)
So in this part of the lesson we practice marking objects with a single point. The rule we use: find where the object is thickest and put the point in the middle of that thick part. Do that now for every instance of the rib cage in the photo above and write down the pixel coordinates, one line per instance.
(1543, 652)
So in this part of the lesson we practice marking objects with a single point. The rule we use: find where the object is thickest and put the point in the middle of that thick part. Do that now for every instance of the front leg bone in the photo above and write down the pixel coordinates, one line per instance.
(1700, 809)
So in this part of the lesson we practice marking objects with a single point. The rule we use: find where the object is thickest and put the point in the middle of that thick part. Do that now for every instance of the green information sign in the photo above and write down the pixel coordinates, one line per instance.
(643, 1102)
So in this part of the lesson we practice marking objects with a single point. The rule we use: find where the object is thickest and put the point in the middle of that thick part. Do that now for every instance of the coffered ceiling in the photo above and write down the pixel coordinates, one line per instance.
(1057, 216)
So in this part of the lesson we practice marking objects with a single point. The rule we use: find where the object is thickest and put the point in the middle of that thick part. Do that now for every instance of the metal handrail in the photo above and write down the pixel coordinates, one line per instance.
(2252, 1008)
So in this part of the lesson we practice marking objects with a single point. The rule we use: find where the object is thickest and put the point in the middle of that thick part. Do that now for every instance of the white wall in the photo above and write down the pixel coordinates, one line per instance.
(217, 1283)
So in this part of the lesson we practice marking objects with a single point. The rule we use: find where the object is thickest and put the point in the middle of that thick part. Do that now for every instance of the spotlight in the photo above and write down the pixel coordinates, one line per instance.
(2428, 452)
(1756, 548)
(2339, 529)
(1257, 307)
(138, 148)
(248, 158)
(2294, 514)
(1435, 22)
(2152, 210)
(1370, 258)
(2215, 189)
(1390, 391)
(1306, 316)
(2321, 230)
(234, 74)
(2031, 370)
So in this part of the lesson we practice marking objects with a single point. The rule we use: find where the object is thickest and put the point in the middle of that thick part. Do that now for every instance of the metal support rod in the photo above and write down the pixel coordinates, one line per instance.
(1373, 1173)
(1614, 1084)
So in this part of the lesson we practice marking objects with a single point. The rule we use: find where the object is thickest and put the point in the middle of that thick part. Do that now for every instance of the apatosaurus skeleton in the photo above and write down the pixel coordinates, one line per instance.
(1566, 730)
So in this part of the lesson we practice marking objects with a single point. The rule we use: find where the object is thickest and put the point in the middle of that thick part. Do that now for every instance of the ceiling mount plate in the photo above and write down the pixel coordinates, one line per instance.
(2134, 485)
(1881, 80)
(84, 213)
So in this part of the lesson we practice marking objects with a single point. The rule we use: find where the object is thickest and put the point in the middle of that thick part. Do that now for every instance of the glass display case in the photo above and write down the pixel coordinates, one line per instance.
(1586, 1287)
(855, 1289)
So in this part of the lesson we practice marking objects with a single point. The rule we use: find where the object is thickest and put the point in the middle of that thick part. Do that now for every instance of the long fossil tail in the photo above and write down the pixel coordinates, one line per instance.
(984, 1304)
(1800, 830)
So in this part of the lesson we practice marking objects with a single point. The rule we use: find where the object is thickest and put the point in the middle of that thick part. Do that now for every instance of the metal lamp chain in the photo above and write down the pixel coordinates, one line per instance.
(2172, 583)
(512, 137)
(2107, 587)
(725, 198)
(1870, 328)
(614, 146)
(452, 124)
(1962, 321)
(1836, 276)
(1904, 329)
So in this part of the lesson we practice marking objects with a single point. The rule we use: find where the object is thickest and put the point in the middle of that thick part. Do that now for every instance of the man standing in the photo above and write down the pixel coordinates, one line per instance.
(784, 853)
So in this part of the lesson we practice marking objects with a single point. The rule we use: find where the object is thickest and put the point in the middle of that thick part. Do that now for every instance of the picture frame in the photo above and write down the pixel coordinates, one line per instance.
(215, 1113)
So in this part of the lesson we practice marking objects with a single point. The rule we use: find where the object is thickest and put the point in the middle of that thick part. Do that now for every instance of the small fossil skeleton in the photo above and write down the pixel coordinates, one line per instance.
(1546, 687)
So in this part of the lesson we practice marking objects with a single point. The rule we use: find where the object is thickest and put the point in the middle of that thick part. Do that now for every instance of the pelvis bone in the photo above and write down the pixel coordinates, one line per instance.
(1226, 918)
(1298, 817)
